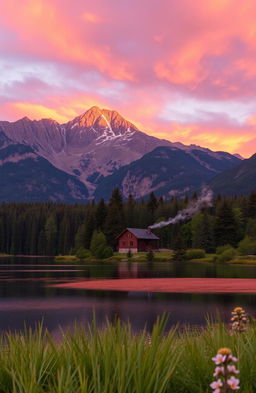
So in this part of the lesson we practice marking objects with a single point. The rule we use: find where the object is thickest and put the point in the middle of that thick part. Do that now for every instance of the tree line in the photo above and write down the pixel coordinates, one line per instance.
(52, 229)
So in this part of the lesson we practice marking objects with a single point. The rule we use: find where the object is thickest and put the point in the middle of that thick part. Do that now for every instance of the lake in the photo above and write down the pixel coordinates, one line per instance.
(27, 297)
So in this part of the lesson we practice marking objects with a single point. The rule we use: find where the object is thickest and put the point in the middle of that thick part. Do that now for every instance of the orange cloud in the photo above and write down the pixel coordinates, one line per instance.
(44, 30)
(93, 18)
(113, 55)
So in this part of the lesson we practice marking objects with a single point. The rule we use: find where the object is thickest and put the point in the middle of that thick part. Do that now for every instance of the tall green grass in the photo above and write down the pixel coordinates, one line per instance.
(115, 360)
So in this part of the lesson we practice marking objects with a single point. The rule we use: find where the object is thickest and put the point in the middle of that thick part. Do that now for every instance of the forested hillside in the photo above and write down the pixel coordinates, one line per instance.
(50, 229)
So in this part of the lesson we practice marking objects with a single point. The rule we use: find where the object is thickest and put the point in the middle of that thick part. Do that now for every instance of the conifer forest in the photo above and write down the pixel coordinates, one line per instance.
(53, 229)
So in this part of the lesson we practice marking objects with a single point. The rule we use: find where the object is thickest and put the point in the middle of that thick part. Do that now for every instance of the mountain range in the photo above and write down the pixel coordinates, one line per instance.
(97, 151)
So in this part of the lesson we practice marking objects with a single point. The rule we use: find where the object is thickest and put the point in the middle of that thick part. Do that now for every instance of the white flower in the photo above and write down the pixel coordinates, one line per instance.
(233, 383)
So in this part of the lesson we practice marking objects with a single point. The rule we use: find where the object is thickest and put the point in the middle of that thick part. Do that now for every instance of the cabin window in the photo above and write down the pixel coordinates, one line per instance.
(131, 243)
(129, 235)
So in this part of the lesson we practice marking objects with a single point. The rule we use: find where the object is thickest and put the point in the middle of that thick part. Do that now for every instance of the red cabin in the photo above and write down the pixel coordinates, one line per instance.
(136, 240)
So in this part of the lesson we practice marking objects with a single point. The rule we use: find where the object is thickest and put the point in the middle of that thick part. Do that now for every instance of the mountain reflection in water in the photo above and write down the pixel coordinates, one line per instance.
(27, 298)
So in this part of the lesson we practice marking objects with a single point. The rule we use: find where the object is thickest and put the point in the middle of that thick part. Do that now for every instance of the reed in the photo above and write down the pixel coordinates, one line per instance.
(114, 359)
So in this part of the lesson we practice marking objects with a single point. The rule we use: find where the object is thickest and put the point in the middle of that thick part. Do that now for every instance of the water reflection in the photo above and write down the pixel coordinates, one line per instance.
(25, 296)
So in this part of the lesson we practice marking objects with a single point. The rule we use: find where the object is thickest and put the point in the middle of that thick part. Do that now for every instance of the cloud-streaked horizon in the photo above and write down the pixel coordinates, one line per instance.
(183, 70)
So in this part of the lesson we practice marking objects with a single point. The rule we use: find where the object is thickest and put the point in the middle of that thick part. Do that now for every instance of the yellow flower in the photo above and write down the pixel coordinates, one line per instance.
(224, 351)
(238, 309)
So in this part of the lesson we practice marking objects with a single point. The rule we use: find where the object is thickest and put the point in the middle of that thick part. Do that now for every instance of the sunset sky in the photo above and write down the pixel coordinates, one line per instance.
(184, 70)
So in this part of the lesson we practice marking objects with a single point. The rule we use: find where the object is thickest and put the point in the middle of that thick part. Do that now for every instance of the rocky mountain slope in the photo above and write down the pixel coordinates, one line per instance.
(240, 180)
(89, 149)
(166, 171)
(25, 176)
(92, 145)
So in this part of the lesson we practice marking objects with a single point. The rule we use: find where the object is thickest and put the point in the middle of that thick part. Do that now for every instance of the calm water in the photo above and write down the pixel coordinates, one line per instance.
(26, 296)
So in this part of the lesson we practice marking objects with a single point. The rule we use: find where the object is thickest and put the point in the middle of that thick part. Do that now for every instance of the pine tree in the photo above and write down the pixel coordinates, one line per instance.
(64, 236)
(179, 249)
(130, 212)
(115, 218)
(252, 205)
(225, 227)
(80, 237)
(88, 229)
(51, 235)
(251, 228)
(42, 243)
(100, 215)
(152, 204)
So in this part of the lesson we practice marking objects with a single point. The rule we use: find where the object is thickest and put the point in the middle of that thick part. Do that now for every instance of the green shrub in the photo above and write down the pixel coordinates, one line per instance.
(82, 253)
(247, 246)
(227, 255)
(108, 252)
(221, 249)
(129, 254)
(150, 256)
(99, 247)
(195, 253)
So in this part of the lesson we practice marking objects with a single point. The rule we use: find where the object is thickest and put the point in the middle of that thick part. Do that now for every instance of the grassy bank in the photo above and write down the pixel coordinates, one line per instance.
(115, 360)
(161, 256)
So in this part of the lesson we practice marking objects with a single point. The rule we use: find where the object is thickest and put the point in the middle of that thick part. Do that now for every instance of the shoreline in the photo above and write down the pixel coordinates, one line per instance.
(170, 285)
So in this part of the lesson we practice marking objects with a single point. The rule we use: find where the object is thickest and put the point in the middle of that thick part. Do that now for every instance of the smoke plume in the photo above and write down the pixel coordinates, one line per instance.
(204, 200)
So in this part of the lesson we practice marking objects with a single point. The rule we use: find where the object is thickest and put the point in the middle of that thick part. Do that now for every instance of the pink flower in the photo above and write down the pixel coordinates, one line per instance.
(232, 369)
(218, 359)
(232, 358)
(233, 383)
(217, 391)
(216, 384)
(218, 371)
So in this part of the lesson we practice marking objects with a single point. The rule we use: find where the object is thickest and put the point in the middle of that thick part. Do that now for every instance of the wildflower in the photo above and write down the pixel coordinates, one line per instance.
(148, 340)
(232, 369)
(216, 384)
(224, 351)
(239, 320)
(218, 371)
(225, 372)
(219, 359)
(233, 383)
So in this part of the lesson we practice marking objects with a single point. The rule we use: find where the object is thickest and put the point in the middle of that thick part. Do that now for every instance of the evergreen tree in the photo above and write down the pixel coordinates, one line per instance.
(100, 215)
(252, 205)
(51, 235)
(202, 228)
(2, 236)
(64, 236)
(115, 218)
(88, 230)
(179, 249)
(225, 227)
(130, 212)
(152, 205)
(251, 228)
(42, 243)
(80, 237)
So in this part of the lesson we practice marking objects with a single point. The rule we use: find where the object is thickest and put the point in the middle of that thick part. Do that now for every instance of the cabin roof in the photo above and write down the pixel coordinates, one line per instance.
(140, 233)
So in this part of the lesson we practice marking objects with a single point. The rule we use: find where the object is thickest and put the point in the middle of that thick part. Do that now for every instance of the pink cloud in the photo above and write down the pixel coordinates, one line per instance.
(134, 57)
